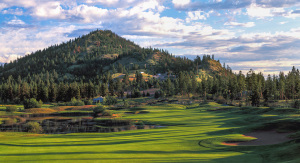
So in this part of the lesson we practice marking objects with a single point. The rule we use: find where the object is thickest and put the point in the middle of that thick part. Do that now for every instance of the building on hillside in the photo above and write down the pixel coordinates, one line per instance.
(98, 100)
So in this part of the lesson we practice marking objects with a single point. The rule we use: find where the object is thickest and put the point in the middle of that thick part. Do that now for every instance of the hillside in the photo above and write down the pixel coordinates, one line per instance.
(88, 57)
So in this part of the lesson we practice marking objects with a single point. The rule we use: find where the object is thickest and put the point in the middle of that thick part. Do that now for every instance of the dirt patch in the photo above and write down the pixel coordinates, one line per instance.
(230, 143)
(263, 138)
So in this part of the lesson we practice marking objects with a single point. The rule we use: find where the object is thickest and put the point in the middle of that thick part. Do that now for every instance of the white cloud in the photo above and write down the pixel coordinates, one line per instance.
(106, 2)
(87, 14)
(259, 12)
(283, 22)
(197, 15)
(49, 10)
(16, 11)
(180, 3)
(16, 21)
(2, 6)
(18, 42)
(143, 22)
(248, 24)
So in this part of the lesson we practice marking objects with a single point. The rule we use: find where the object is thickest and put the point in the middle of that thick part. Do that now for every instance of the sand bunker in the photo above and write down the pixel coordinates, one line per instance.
(263, 138)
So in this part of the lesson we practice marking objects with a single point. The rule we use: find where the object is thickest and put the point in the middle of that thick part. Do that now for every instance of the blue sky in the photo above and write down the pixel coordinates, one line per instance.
(260, 34)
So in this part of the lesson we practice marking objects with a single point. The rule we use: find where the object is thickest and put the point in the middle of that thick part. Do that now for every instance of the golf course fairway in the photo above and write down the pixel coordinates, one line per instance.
(192, 133)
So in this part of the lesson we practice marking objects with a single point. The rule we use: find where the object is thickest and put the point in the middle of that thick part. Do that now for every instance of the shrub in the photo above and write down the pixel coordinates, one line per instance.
(88, 102)
(156, 95)
(107, 113)
(221, 100)
(126, 105)
(10, 121)
(34, 127)
(75, 102)
(109, 100)
(11, 109)
(98, 109)
(32, 103)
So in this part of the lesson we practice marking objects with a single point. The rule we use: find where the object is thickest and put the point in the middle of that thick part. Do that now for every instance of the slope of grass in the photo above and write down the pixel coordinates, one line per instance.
(178, 140)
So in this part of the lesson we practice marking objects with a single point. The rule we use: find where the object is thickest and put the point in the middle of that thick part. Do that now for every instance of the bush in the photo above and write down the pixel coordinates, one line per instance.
(11, 109)
(297, 104)
(34, 127)
(98, 109)
(221, 100)
(10, 121)
(109, 100)
(107, 113)
(126, 105)
(88, 102)
(75, 102)
(32, 103)
(157, 94)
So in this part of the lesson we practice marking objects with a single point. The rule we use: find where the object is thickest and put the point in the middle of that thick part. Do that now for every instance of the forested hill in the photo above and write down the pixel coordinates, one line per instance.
(89, 57)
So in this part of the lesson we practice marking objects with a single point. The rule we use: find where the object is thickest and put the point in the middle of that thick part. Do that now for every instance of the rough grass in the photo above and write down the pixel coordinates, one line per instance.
(40, 110)
(179, 141)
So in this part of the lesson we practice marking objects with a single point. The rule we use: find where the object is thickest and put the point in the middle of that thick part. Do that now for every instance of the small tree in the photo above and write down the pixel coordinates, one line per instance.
(11, 109)
(156, 95)
(34, 127)
(297, 104)
(32, 103)
(98, 109)
(126, 105)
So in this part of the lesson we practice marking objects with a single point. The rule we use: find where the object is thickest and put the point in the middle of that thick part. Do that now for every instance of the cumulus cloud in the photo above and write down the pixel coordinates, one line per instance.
(49, 10)
(233, 4)
(181, 3)
(16, 42)
(15, 23)
(197, 15)
(263, 12)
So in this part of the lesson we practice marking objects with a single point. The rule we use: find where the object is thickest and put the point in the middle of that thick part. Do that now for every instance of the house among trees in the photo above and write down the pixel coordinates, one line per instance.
(98, 100)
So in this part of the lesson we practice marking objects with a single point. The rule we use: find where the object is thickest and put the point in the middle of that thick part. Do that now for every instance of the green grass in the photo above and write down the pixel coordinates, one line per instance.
(191, 134)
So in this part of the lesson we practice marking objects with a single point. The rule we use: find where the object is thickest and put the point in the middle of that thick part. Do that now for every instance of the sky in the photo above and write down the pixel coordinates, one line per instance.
(263, 35)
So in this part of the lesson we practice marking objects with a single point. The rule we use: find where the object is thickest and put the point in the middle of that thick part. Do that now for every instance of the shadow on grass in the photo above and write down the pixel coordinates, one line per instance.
(84, 144)
(115, 152)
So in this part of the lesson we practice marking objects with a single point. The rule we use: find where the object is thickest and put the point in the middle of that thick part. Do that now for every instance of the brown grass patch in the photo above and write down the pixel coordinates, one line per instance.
(61, 108)
(85, 107)
(33, 135)
(230, 143)
(40, 110)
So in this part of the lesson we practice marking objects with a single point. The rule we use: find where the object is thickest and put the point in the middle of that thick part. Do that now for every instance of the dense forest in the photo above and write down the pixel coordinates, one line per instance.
(85, 67)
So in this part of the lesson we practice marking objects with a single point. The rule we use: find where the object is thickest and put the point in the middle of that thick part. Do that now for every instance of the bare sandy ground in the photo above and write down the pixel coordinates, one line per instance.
(263, 138)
